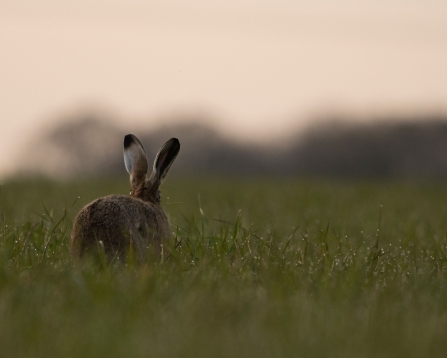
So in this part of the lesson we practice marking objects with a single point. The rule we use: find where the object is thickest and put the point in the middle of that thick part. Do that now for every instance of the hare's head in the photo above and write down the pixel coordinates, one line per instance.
(135, 159)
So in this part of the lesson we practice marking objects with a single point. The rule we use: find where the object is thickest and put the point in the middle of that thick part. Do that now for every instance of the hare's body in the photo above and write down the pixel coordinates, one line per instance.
(120, 222)
(137, 222)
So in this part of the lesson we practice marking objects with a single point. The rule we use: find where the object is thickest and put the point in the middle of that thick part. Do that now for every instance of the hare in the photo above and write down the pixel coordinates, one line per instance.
(121, 222)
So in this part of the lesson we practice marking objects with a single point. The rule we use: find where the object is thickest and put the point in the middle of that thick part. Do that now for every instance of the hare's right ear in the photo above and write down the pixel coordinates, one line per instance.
(164, 159)
(135, 159)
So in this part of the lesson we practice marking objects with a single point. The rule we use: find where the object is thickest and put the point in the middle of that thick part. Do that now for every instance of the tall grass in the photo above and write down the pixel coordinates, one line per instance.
(257, 268)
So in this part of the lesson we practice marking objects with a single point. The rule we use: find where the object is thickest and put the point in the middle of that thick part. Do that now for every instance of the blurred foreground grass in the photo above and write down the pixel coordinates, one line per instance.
(258, 268)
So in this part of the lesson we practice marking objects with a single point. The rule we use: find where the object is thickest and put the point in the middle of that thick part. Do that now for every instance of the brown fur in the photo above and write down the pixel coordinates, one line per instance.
(120, 222)
(117, 220)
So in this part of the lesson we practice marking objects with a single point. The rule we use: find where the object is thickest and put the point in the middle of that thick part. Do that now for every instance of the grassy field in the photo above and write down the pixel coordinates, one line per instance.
(258, 268)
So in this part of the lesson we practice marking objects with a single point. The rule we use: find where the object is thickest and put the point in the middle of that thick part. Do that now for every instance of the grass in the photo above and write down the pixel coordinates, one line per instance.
(258, 268)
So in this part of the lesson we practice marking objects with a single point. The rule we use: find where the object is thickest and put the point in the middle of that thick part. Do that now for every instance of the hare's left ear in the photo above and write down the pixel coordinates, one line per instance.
(135, 159)
(164, 159)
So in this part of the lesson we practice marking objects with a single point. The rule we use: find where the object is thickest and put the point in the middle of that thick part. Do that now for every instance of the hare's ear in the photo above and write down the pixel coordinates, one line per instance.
(135, 159)
(164, 159)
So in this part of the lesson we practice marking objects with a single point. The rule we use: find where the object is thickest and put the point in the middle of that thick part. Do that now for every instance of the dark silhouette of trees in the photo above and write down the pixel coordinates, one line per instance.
(412, 148)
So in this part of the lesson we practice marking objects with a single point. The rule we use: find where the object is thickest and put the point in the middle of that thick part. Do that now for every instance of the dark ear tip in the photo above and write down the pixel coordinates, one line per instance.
(128, 140)
(176, 143)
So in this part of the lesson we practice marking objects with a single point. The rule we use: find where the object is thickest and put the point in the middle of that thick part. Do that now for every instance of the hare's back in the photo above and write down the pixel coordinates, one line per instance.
(115, 219)
(121, 209)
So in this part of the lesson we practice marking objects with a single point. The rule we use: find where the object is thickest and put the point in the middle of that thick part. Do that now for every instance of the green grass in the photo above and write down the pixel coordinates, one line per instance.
(258, 268)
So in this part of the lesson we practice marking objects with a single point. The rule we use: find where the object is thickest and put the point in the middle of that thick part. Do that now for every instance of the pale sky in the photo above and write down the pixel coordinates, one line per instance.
(261, 67)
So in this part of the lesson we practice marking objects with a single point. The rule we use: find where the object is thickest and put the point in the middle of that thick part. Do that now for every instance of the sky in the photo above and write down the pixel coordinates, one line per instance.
(258, 68)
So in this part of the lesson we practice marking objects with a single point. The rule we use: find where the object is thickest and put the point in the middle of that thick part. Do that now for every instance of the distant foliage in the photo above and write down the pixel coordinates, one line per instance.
(412, 148)
(91, 145)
